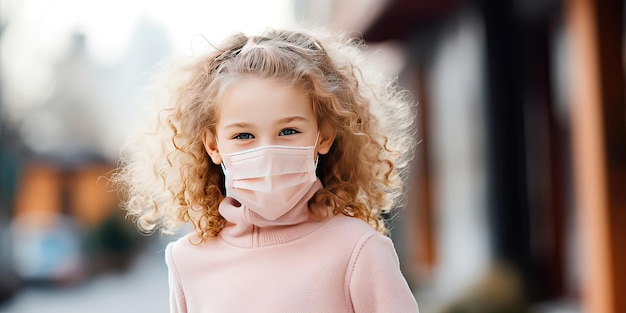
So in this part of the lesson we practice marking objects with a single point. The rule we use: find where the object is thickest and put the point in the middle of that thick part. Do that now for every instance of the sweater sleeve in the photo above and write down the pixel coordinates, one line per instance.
(177, 297)
(376, 283)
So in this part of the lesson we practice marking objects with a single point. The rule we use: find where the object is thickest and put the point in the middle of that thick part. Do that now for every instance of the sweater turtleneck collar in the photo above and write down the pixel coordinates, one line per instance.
(244, 228)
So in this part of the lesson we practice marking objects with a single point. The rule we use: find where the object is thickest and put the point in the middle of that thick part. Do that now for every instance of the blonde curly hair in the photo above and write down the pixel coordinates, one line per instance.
(168, 178)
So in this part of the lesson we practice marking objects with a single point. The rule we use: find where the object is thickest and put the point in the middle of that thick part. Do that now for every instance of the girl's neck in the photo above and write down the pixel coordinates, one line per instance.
(245, 228)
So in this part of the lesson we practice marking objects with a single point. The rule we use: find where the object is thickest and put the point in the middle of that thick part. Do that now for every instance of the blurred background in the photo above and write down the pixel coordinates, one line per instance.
(516, 194)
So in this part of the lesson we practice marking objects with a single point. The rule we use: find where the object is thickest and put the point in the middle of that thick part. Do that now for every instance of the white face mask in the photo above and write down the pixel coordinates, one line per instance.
(270, 180)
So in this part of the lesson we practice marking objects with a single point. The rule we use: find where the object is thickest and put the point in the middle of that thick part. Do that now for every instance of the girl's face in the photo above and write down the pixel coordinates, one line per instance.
(256, 112)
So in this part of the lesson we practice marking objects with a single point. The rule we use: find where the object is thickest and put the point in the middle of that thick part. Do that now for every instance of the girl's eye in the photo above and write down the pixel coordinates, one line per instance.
(287, 132)
(243, 136)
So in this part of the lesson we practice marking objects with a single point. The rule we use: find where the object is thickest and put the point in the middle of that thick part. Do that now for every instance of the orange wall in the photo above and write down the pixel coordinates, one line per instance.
(40, 192)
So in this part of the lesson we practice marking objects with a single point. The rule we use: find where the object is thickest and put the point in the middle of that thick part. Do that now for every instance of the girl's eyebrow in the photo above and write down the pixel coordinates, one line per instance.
(288, 119)
(283, 120)
(238, 125)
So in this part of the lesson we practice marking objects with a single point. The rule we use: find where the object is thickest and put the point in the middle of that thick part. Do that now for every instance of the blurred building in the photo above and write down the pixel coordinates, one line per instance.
(62, 122)
(515, 202)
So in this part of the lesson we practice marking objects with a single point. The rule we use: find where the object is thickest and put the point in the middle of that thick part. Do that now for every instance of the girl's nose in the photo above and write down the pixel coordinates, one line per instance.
(266, 141)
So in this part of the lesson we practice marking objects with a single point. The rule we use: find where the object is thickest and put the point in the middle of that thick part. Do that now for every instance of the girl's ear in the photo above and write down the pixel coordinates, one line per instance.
(327, 137)
(210, 145)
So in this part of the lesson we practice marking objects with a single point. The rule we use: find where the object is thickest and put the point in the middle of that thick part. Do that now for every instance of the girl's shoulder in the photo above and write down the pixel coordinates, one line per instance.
(358, 241)
(174, 247)
(344, 223)
(188, 251)
(351, 231)
(186, 244)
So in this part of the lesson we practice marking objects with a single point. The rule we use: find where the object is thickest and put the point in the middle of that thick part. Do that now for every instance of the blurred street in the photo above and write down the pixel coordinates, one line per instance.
(143, 288)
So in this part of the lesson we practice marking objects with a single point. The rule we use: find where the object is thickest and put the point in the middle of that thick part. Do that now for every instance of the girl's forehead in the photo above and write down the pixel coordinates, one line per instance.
(257, 99)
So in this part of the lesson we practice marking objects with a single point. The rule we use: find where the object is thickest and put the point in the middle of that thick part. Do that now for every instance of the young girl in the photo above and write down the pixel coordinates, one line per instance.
(283, 154)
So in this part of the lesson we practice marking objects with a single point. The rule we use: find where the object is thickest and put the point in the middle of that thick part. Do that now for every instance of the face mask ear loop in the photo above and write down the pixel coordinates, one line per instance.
(220, 152)
(317, 157)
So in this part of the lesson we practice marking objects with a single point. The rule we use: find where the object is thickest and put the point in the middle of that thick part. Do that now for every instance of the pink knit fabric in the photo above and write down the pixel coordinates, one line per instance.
(297, 263)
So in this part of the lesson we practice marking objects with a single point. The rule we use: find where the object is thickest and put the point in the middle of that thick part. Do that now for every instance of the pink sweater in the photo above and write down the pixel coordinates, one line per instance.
(297, 263)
